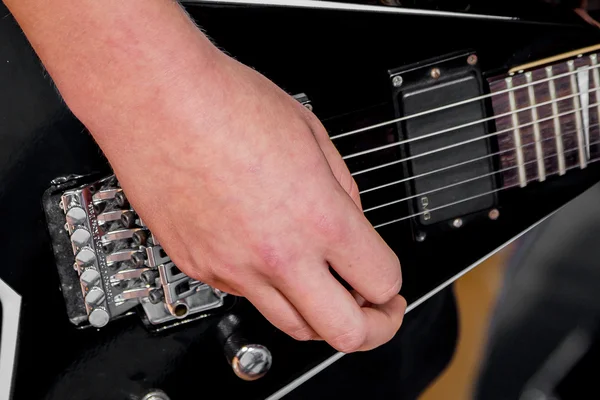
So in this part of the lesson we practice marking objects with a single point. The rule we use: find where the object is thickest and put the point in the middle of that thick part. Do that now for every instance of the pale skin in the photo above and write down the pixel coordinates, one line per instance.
(239, 182)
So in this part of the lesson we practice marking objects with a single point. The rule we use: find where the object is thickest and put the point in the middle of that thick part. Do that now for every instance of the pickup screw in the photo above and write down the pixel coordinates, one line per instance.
(397, 81)
(457, 223)
(472, 59)
(421, 236)
(494, 214)
(435, 73)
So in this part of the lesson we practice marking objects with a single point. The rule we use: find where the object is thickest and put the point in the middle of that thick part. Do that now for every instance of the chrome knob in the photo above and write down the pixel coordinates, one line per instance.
(248, 359)
(251, 362)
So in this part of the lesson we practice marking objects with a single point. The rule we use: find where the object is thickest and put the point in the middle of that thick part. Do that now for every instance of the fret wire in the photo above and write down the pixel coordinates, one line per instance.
(539, 152)
(556, 120)
(596, 77)
(435, 171)
(441, 108)
(428, 135)
(426, 153)
(516, 134)
(582, 158)
(465, 199)
(446, 130)
(462, 182)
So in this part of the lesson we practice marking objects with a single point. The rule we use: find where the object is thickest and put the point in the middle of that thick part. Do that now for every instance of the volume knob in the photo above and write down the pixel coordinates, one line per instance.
(251, 361)
(248, 359)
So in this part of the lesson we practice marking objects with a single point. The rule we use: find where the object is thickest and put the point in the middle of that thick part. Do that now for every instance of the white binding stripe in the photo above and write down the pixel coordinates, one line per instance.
(331, 5)
(303, 378)
(11, 310)
(539, 151)
(560, 152)
(579, 124)
(516, 134)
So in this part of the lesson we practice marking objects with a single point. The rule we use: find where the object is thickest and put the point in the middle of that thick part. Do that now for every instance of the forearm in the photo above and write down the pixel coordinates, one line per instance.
(113, 59)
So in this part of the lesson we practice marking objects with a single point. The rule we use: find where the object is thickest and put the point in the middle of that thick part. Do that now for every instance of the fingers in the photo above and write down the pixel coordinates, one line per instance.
(281, 313)
(333, 313)
(363, 259)
(389, 315)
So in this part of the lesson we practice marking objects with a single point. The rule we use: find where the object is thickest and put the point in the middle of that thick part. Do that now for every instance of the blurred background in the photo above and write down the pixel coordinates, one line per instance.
(527, 317)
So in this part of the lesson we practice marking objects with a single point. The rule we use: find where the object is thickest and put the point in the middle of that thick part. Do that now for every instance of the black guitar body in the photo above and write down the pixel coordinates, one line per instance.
(342, 61)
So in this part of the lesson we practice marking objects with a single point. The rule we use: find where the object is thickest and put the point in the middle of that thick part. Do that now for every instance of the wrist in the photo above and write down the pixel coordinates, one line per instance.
(112, 59)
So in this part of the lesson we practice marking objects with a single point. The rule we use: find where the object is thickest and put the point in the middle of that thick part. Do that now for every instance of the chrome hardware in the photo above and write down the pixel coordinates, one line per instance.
(303, 99)
(119, 263)
(494, 214)
(156, 395)
(397, 81)
(457, 223)
(252, 362)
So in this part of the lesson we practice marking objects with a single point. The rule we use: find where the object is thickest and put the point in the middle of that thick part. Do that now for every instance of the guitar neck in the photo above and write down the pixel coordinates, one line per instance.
(547, 117)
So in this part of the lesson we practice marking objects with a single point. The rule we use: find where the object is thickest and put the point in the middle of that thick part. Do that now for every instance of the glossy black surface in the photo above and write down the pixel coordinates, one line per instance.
(341, 61)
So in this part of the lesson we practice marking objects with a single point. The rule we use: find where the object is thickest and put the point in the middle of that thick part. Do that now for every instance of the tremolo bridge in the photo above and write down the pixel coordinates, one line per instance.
(110, 263)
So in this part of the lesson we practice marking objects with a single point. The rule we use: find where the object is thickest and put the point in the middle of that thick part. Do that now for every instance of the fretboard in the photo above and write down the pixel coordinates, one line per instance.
(549, 127)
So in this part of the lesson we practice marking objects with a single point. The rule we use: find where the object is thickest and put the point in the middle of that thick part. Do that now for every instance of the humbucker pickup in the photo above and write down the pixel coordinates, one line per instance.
(110, 263)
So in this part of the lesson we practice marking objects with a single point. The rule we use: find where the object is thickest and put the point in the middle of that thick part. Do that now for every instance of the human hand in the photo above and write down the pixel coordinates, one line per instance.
(247, 193)
(239, 182)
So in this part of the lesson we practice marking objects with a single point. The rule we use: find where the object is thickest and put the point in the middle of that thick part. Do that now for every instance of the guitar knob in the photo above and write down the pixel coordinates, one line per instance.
(249, 360)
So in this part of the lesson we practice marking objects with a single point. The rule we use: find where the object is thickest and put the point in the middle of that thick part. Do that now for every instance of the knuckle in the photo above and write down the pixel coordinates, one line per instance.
(328, 226)
(274, 261)
(350, 341)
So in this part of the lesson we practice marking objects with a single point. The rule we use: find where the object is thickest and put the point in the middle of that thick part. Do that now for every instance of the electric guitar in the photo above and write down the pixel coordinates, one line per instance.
(464, 124)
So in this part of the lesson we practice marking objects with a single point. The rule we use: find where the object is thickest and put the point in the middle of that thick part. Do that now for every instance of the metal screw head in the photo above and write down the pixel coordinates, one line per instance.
(494, 214)
(308, 106)
(397, 81)
(156, 395)
(421, 236)
(138, 258)
(457, 223)
(155, 296)
(472, 59)
(435, 73)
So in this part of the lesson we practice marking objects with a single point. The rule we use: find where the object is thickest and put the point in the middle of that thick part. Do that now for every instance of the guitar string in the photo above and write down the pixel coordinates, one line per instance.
(462, 102)
(395, 144)
(593, 160)
(464, 142)
(462, 163)
(465, 125)
(470, 180)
